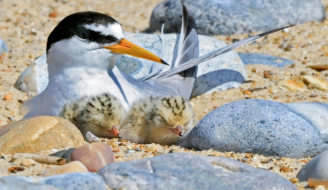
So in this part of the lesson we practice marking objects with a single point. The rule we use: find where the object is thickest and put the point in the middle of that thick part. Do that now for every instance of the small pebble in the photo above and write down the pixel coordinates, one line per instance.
(71, 167)
(245, 160)
(19, 160)
(53, 14)
(28, 162)
(11, 119)
(247, 92)
(320, 187)
(130, 151)
(294, 180)
(15, 169)
(8, 97)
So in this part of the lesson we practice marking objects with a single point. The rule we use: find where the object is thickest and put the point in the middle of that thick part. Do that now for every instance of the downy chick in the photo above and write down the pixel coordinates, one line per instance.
(100, 115)
(159, 120)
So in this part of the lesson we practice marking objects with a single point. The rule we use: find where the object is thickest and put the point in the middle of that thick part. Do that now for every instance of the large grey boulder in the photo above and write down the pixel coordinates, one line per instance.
(236, 16)
(189, 171)
(317, 168)
(264, 127)
(70, 181)
(220, 73)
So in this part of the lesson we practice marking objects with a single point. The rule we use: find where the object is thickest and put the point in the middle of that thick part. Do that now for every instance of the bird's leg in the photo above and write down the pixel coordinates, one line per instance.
(177, 130)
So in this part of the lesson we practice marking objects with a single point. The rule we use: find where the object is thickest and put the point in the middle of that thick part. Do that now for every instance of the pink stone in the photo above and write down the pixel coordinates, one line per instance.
(94, 156)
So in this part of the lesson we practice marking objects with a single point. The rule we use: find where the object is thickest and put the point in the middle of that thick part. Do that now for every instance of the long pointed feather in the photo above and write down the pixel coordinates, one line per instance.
(188, 49)
(213, 54)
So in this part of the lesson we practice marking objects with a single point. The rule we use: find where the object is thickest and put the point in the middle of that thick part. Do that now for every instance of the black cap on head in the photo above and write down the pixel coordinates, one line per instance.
(74, 25)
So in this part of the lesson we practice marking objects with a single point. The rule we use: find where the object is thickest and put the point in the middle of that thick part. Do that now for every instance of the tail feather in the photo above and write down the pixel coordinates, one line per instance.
(196, 61)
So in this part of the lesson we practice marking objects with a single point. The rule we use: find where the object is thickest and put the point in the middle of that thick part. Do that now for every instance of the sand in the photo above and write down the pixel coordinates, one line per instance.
(25, 25)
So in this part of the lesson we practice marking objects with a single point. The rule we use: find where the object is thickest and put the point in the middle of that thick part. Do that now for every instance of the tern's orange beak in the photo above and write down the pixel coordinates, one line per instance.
(126, 47)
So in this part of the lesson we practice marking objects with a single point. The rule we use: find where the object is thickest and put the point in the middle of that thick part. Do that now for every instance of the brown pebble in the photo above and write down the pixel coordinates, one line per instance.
(292, 66)
(285, 169)
(313, 95)
(267, 74)
(247, 92)
(254, 70)
(15, 169)
(116, 150)
(8, 97)
(248, 155)
(53, 14)
(294, 180)
(20, 101)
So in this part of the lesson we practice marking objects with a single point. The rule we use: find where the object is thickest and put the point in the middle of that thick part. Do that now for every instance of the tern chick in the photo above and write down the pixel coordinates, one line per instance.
(99, 115)
(159, 120)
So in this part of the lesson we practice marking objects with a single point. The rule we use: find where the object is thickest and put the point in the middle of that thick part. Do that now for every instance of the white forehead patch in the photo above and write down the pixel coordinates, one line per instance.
(114, 29)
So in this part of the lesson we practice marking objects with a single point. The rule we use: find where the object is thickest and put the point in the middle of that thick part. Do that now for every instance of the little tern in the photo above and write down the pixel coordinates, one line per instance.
(81, 54)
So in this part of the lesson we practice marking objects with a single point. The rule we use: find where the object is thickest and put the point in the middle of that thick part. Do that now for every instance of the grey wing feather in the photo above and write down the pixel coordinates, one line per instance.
(188, 49)
(213, 54)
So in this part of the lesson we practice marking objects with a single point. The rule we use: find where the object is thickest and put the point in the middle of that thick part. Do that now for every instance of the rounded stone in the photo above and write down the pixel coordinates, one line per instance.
(189, 171)
(317, 168)
(217, 17)
(37, 134)
(263, 127)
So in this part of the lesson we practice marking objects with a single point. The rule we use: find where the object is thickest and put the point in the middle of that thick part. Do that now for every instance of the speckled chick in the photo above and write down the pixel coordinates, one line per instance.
(161, 120)
(99, 115)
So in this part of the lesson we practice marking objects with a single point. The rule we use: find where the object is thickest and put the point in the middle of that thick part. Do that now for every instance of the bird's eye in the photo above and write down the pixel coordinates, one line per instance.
(83, 33)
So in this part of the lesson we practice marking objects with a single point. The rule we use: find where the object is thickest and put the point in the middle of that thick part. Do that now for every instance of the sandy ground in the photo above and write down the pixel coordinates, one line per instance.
(25, 25)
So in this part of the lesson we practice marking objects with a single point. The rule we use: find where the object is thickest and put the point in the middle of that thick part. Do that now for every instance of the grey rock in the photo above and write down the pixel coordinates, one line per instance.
(265, 127)
(257, 58)
(234, 16)
(70, 181)
(34, 79)
(189, 171)
(3, 47)
(317, 168)
(22, 183)
(220, 73)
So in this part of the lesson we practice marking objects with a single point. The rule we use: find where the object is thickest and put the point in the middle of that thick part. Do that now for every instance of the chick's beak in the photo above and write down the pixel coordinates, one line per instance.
(177, 130)
(126, 47)
(115, 132)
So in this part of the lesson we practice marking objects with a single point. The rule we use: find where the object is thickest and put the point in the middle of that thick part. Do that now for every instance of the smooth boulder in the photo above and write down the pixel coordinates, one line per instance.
(71, 181)
(189, 171)
(220, 73)
(264, 127)
(37, 134)
(218, 17)
(317, 168)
